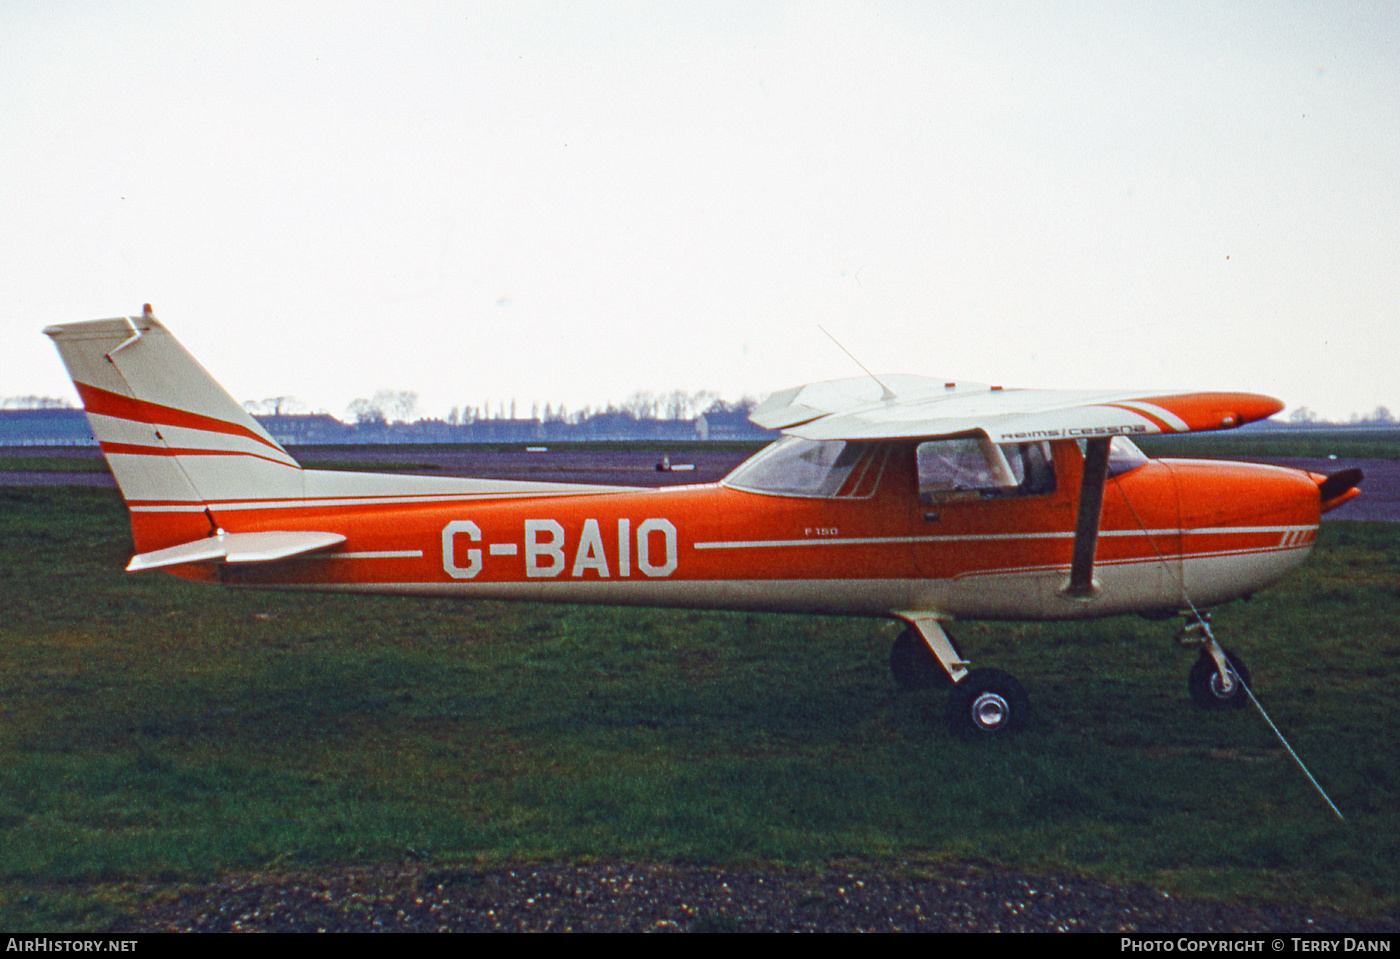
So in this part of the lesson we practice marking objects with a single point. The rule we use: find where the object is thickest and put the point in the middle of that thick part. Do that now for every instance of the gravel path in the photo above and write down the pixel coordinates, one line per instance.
(661, 898)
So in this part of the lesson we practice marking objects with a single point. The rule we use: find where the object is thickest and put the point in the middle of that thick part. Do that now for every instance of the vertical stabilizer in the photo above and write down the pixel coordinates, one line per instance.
(178, 444)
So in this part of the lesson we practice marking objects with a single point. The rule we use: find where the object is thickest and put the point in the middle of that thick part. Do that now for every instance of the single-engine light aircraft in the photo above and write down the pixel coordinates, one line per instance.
(919, 500)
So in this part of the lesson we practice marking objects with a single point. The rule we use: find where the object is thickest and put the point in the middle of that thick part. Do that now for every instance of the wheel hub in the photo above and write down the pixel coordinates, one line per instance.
(1223, 684)
(990, 711)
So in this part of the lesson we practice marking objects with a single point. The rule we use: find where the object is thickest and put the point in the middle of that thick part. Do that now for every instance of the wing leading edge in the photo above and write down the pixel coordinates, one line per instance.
(852, 410)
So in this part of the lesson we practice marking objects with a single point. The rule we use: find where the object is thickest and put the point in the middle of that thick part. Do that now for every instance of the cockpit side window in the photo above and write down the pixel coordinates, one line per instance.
(1124, 456)
(976, 468)
(834, 469)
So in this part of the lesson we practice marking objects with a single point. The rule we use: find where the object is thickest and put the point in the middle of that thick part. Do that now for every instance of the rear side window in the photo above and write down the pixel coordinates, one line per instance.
(976, 468)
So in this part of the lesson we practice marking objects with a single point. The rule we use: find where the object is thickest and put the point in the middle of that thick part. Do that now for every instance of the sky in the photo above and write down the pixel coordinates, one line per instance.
(572, 202)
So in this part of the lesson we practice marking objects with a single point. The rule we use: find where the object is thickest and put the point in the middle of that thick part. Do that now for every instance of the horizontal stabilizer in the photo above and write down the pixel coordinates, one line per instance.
(236, 548)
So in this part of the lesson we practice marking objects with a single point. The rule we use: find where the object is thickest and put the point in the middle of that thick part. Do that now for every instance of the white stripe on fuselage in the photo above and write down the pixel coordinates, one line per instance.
(987, 537)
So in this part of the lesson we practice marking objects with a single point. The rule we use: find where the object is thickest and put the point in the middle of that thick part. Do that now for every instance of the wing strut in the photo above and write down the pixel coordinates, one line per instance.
(1086, 530)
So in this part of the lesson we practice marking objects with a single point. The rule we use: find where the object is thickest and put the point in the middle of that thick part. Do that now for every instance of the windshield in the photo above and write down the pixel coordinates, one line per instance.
(797, 467)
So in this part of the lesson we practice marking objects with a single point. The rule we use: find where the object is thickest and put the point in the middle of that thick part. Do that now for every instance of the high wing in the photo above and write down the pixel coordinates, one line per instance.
(853, 409)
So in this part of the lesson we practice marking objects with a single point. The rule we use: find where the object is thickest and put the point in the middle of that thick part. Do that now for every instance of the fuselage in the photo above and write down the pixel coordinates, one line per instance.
(877, 533)
(914, 498)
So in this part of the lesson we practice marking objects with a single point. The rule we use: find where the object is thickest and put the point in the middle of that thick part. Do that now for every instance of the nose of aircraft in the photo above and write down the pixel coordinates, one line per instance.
(1244, 525)
(1223, 494)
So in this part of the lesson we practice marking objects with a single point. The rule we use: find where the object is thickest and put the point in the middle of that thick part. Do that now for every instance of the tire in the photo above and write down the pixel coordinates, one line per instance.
(987, 703)
(1204, 683)
(913, 665)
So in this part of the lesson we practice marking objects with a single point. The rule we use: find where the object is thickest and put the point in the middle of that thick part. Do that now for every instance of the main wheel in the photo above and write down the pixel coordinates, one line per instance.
(913, 664)
(988, 702)
(1208, 687)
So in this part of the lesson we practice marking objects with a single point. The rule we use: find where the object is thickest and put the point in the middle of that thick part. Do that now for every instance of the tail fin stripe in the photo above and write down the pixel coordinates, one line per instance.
(179, 439)
(134, 449)
(106, 403)
(143, 439)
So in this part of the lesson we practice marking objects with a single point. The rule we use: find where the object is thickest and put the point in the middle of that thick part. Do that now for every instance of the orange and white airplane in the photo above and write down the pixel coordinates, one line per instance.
(918, 500)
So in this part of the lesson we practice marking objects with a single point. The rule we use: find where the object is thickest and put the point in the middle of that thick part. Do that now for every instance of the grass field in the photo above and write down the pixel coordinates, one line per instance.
(156, 732)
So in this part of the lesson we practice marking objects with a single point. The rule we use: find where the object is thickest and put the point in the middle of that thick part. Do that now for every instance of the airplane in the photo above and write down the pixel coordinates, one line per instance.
(919, 500)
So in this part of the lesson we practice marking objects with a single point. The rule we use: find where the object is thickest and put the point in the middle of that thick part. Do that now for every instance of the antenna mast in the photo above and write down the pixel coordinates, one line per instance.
(886, 394)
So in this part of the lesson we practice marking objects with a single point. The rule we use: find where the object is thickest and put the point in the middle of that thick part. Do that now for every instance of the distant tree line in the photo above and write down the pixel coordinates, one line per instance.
(1380, 416)
(401, 406)
(394, 416)
(35, 403)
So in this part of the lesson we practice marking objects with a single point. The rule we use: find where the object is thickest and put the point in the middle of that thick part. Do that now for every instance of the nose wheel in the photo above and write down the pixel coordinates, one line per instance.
(1219, 678)
(1213, 689)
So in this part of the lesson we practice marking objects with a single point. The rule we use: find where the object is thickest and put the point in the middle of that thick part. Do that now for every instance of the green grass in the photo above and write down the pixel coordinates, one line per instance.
(153, 732)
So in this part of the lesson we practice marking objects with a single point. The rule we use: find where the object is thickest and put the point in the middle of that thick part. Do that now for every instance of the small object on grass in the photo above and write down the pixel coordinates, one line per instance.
(666, 466)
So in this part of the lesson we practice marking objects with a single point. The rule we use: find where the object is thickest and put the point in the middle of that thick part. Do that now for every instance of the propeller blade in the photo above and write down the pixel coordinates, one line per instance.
(1338, 483)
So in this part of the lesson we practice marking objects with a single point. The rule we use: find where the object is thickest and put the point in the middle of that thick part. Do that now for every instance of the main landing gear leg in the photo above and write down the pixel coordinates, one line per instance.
(1219, 677)
(982, 702)
(923, 644)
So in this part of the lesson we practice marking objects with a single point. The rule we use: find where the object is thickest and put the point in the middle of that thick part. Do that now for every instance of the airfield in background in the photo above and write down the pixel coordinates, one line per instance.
(635, 464)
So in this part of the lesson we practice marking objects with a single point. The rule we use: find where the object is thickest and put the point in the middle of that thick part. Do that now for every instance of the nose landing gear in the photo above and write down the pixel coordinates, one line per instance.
(1219, 677)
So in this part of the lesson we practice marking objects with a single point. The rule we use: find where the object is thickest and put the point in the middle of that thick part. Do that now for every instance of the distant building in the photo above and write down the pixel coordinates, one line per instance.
(55, 427)
(496, 431)
(306, 429)
(729, 425)
(69, 427)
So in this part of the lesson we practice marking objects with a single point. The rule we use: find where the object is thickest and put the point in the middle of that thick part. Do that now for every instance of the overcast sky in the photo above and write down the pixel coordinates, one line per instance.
(570, 202)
